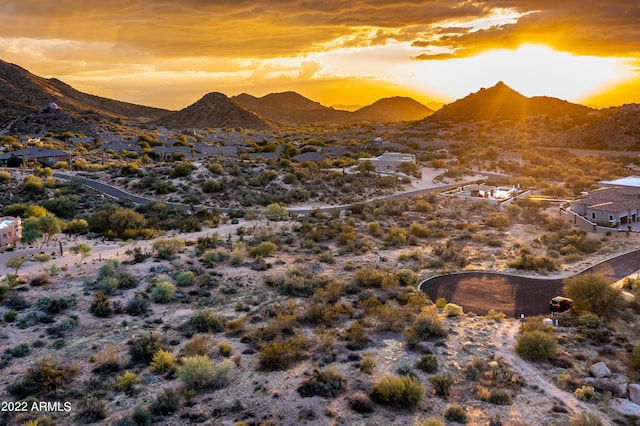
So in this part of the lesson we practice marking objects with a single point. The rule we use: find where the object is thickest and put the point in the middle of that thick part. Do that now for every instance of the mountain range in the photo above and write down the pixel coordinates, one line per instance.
(501, 102)
(24, 98)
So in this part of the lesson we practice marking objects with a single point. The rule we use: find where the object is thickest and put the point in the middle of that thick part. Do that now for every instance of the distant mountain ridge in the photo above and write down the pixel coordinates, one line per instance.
(213, 110)
(501, 102)
(22, 93)
(292, 107)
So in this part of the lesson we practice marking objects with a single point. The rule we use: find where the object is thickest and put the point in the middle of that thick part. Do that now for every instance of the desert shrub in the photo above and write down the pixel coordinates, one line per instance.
(370, 277)
(138, 305)
(225, 349)
(200, 344)
(207, 321)
(360, 403)
(162, 362)
(367, 363)
(441, 302)
(213, 257)
(591, 321)
(143, 348)
(185, 278)
(325, 382)
(100, 307)
(453, 310)
(442, 383)
(40, 281)
(528, 261)
(406, 277)
(432, 421)
(403, 392)
(55, 305)
(198, 371)
(163, 292)
(109, 359)
(279, 354)
(587, 419)
(166, 403)
(91, 409)
(456, 414)
(127, 381)
(594, 293)
(141, 416)
(428, 363)
(298, 283)
(497, 220)
(419, 231)
(536, 346)
(263, 249)
(499, 397)
(585, 393)
(428, 325)
(45, 376)
(496, 316)
(356, 336)
(395, 237)
(406, 370)
(20, 350)
(168, 247)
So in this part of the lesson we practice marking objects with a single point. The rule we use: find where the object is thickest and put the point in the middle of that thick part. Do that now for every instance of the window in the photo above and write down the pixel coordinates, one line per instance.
(593, 216)
(610, 218)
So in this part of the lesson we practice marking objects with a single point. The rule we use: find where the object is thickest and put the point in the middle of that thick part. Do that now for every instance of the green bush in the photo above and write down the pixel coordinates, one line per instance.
(185, 278)
(100, 307)
(225, 349)
(594, 293)
(442, 383)
(536, 346)
(207, 321)
(45, 376)
(368, 363)
(168, 247)
(20, 350)
(428, 363)
(138, 305)
(428, 325)
(143, 348)
(456, 414)
(585, 393)
(403, 392)
(499, 397)
(279, 354)
(166, 403)
(213, 257)
(263, 249)
(325, 382)
(432, 421)
(441, 302)
(127, 381)
(163, 292)
(162, 362)
(198, 371)
(141, 416)
(453, 310)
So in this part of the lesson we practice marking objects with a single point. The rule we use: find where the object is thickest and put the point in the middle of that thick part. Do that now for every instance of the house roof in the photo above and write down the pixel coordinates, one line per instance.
(35, 153)
(611, 199)
(310, 156)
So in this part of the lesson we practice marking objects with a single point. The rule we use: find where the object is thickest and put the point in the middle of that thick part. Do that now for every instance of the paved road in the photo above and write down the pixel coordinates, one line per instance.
(480, 291)
(119, 194)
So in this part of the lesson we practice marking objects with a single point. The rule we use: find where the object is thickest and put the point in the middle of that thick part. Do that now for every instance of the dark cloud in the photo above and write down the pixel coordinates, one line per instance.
(251, 28)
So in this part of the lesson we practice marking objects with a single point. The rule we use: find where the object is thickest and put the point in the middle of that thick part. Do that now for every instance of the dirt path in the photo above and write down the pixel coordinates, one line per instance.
(506, 340)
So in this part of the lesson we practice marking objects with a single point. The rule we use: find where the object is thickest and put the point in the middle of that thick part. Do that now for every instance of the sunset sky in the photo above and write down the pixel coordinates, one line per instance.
(170, 53)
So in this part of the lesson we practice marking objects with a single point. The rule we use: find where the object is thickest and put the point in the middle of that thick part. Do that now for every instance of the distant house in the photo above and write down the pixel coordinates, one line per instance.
(120, 146)
(10, 231)
(389, 161)
(110, 138)
(611, 206)
(45, 156)
(80, 140)
(163, 151)
(203, 150)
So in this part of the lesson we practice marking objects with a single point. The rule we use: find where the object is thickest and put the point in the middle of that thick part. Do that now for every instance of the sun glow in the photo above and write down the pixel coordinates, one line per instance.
(532, 69)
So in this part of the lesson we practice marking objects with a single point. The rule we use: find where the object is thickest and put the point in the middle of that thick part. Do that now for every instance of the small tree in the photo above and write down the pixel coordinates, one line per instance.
(275, 211)
(16, 263)
(594, 293)
(366, 167)
(81, 250)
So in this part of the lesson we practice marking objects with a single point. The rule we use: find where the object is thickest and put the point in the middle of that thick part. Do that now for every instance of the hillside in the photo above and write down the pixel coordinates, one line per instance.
(291, 107)
(397, 108)
(501, 102)
(22, 93)
(213, 110)
(619, 129)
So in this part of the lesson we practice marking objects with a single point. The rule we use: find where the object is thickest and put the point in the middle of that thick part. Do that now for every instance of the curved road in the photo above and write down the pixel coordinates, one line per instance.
(512, 294)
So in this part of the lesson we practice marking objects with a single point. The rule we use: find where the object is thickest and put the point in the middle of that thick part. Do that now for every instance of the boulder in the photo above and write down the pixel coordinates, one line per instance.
(620, 390)
(600, 370)
(619, 379)
(624, 407)
(634, 393)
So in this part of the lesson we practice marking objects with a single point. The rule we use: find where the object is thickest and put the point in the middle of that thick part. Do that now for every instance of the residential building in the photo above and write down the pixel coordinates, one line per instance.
(611, 206)
(389, 161)
(10, 231)
(42, 155)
